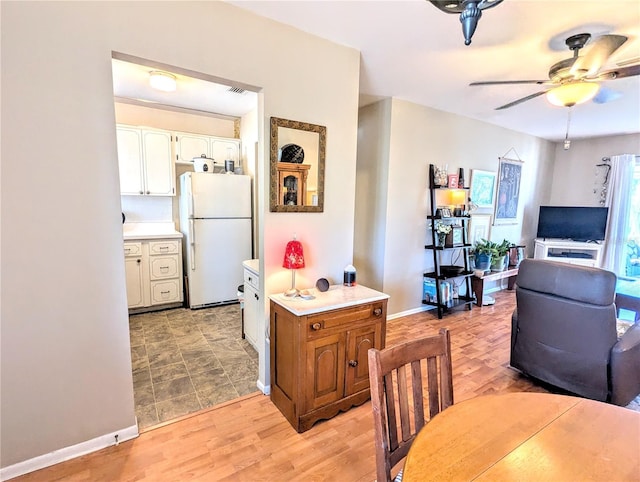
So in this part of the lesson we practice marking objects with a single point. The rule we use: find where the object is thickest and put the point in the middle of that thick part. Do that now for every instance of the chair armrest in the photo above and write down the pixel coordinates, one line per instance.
(625, 367)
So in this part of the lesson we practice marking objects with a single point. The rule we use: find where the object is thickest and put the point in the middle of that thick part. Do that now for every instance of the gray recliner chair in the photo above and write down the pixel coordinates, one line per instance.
(563, 332)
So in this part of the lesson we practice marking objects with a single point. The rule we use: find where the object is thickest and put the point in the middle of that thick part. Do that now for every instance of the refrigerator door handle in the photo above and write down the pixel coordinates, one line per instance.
(192, 245)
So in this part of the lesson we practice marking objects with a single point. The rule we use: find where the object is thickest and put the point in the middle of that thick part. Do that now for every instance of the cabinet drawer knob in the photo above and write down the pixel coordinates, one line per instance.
(316, 326)
(377, 311)
(353, 363)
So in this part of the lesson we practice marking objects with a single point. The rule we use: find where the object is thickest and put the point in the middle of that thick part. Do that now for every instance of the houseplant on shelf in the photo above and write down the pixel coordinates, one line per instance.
(442, 230)
(499, 255)
(483, 251)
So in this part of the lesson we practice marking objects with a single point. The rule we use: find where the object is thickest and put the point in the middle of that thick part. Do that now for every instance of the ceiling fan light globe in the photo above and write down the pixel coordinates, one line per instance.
(573, 93)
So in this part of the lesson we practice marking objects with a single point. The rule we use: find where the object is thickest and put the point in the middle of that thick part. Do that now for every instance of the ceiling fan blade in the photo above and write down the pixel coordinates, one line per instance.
(605, 95)
(619, 73)
(597, 55)
(520, 101)
(505, 82)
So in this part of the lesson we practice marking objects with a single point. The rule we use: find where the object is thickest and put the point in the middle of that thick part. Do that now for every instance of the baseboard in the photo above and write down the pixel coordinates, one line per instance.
(68, 453)
(266, 389)
(409, 312)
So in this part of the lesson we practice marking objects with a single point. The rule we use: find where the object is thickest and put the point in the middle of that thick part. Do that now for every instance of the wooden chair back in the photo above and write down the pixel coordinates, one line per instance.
(402, 378)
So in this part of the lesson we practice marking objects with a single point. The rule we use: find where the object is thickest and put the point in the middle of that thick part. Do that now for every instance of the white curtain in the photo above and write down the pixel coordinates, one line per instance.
(619, 203)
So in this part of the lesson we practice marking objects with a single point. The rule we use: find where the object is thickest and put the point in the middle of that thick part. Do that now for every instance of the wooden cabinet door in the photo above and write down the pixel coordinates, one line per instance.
(129, 143)
(357, 368)
(325, 370)
(159, 167)
(189, 146)
(135, 286)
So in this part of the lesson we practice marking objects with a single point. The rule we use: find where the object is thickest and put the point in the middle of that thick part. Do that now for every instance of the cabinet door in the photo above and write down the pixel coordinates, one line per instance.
(189, 146)
(223, 149)
(133, 270)
(129, 142)
(358, 343)
(325, 370)
(158, 165)
(251, 301)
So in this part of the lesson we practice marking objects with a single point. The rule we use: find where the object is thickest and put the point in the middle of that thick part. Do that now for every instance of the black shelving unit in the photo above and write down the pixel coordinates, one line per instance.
(438, 275)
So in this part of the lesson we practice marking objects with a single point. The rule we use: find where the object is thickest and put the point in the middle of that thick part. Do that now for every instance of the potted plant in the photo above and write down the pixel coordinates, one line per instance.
(483, 251)
(499, 255)
(442, 230)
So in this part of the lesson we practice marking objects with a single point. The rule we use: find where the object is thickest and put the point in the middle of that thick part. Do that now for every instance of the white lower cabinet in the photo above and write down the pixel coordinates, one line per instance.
(251, 306)
(153, 272)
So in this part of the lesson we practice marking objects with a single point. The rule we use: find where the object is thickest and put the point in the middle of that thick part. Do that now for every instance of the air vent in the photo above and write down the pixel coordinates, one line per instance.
(236, 90)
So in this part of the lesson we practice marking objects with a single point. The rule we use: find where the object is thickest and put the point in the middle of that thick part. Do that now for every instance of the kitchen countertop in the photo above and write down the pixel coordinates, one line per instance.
(252, 265)
(133, 231)
(338, 296)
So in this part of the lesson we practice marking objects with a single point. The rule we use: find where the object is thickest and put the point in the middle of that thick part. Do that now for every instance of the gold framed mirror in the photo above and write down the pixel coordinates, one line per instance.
(297, 166)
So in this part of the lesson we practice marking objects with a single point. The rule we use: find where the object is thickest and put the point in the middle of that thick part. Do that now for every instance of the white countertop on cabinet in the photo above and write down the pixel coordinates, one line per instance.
(338, 296)
(133, 231)
(252, 265)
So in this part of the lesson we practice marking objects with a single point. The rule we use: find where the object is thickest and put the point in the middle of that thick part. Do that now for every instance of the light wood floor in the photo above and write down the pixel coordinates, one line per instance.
(249, 440)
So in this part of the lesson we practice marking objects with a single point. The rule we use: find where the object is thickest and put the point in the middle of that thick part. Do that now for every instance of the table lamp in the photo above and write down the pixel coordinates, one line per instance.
(293, 260)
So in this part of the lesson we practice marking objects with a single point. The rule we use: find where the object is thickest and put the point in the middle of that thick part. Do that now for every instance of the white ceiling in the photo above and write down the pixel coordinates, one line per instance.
(411, 50)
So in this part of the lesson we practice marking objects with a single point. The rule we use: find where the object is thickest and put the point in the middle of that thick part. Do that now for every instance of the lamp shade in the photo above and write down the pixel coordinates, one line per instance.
(573, 93)
(293, 255)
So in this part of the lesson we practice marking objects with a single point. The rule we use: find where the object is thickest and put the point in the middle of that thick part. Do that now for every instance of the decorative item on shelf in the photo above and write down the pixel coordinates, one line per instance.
(452, 181)
(440, 175)
(516, 255)
(461, 178)
(293, 260)
(349, 275)
(455, 237)
(442, 230)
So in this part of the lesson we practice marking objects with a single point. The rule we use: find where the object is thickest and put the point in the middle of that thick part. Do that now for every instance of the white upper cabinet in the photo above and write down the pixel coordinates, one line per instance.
(145, 162)
(189, 146)
(219, 149)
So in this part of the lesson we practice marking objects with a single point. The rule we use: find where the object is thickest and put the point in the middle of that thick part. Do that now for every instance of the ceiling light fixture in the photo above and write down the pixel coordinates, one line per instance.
(572, 93)
(163, 81)
(470, 12)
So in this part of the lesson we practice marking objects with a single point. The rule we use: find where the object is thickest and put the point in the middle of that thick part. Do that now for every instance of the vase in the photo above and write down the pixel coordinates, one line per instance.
(442, 237)
(497, 264)
(483, 262)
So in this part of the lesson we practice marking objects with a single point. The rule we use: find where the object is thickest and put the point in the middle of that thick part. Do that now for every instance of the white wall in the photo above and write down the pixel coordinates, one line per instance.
(418, 136)
(575, 174)
(66, 374)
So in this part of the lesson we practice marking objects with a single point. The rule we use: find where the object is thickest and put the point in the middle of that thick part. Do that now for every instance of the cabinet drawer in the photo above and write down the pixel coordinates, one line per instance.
(132, 249)
(164, 247)
(316, 324)
(167, 291)
(161, 267)
(251, 279)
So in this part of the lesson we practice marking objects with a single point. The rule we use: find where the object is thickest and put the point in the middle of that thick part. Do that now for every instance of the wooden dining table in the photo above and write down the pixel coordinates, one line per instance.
(527, 437)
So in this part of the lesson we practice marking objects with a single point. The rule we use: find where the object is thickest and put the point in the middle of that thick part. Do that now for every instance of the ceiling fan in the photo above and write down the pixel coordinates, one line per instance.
(577, 79)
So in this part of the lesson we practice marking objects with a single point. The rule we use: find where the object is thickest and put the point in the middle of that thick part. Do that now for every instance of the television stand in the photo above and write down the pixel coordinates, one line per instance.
(572, 252)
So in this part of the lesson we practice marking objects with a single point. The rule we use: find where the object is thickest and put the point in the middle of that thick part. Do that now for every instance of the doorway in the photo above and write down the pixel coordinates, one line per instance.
(185, 360)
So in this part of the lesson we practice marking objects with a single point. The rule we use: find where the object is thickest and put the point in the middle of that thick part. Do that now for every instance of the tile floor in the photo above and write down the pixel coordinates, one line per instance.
(185, 360)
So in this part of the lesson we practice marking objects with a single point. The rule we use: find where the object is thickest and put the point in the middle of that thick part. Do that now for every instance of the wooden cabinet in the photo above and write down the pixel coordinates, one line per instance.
(145, 163)
(292, 183)
(153, 273)
(319, 363)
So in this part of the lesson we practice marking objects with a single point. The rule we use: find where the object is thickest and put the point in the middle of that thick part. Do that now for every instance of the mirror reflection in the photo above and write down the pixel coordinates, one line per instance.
(297, 166)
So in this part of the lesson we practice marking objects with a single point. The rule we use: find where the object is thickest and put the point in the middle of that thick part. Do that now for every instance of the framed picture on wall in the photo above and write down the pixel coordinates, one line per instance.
(509, 175)
(479, 227)
(482, 188)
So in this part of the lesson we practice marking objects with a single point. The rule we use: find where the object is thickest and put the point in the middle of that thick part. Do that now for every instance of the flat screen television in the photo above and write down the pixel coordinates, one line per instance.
(576, 223)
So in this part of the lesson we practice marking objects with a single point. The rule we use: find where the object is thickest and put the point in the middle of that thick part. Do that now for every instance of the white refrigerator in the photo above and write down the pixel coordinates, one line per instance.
(215, 219)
